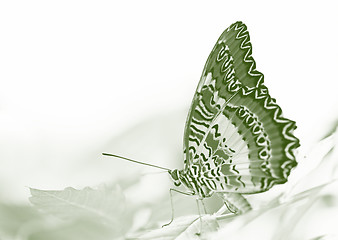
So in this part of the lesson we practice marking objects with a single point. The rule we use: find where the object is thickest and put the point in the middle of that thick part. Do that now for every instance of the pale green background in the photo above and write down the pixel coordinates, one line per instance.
(76, 75)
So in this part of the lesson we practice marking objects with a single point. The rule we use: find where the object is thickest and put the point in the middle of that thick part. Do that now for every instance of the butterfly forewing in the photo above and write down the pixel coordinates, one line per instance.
(235, 134)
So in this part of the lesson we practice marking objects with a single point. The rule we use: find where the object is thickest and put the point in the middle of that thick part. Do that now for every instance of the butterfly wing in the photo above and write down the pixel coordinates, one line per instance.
(235, 138)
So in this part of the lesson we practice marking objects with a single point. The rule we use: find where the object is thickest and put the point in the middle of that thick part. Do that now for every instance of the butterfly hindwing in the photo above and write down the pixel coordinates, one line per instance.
(235, 132)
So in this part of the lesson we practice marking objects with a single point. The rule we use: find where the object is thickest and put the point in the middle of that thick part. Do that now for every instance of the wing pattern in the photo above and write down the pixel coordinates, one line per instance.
(236, 138)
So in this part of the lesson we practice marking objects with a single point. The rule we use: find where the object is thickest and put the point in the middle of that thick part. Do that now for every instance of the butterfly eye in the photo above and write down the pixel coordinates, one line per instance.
(174, 175)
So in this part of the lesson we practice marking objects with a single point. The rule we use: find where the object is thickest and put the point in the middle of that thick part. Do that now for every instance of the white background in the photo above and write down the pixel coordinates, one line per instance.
(76, 75)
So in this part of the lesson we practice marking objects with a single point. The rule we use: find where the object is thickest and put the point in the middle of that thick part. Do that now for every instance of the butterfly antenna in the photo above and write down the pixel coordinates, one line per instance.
(131, 160)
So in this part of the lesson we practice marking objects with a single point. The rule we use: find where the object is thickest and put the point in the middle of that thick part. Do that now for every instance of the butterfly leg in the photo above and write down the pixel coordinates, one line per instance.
(199, 213)
(204, 208)
(231, 207)
(172, 205)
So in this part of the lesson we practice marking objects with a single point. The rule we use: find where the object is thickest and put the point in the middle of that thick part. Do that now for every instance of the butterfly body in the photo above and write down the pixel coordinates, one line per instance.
(192, 182)
(236, 139)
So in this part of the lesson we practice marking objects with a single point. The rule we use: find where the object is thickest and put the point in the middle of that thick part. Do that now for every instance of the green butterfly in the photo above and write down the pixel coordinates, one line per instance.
(236, 140)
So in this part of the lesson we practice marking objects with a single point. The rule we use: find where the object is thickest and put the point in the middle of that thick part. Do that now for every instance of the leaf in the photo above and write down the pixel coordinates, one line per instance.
(319, 167)
(90, 205)
(283, 220)
(332, 128)
(82, 229)
(325, 237)
(188, 227)
(14, 218)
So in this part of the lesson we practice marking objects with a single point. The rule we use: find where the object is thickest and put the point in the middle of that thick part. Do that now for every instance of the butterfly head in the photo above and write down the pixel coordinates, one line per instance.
(181, 177)
(175, 176)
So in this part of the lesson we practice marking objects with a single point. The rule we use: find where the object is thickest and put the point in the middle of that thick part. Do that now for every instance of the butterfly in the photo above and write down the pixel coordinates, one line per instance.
(236, 140)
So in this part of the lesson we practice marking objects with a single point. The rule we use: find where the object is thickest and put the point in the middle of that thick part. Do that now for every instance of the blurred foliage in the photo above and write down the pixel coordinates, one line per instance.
(17, 220)
(306, 209)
